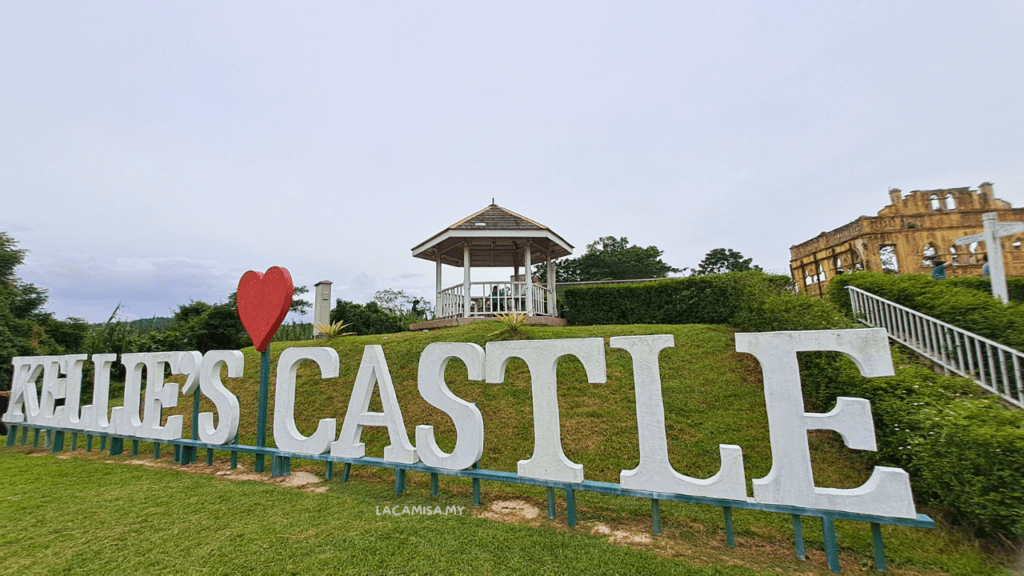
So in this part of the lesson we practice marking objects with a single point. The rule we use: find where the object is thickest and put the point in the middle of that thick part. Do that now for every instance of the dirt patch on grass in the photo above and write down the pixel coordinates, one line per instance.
(511, 511)
(622, 536)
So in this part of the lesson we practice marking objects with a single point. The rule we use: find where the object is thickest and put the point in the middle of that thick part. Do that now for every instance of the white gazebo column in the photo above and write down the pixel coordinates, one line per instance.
(437, 300)
(465, 280)
(528, 276)
(551, 286)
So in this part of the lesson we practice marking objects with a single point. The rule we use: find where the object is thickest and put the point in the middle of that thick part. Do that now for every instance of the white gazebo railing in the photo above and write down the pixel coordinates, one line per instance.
(492, 298)
(993, 366)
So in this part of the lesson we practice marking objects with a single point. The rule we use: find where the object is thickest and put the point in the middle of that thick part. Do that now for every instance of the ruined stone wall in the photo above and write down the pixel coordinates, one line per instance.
(919, 228)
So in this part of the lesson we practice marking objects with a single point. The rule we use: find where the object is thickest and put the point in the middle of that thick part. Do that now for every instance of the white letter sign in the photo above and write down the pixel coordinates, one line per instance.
(791, 480)
(541, 356)
(655, 473)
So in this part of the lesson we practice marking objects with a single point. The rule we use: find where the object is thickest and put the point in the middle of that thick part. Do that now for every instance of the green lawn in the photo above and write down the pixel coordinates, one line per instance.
(85, 514)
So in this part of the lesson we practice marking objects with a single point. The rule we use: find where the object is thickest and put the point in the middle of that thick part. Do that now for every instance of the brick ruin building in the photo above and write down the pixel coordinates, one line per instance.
(907, 236)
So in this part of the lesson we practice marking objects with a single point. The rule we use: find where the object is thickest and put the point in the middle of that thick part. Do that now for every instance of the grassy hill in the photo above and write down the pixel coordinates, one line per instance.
(712, 396)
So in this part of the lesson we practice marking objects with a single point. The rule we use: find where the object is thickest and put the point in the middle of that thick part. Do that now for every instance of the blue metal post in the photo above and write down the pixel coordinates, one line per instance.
(74, 441)
(399, 480)
(156, 450)
(656, 516)
(329, 473)
(433, 484)
(828, 532)
(551, 502)
(24, 435)
(12, 435)
(35, 437)
(730, 539)
(135, 447)
(876, 539)
(570, 506)
(234, 453)
(261, 410)
(195, 414)
(116, 446)
(798, 537)
(345, 472)
(58, 442)
(88, 442)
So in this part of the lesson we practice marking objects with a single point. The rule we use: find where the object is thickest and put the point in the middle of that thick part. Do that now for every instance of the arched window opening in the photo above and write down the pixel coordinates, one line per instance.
(1016, 245)
(821, 274)
(976, 249)
(950, 202)
(857, 264)
(936, 205)
(839, 265)
(809, 277)
(929, 255)
(887, 254)
(954, 256)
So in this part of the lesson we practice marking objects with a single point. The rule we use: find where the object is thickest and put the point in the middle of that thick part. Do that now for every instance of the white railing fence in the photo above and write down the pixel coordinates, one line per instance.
(993, 366)
(491, 298)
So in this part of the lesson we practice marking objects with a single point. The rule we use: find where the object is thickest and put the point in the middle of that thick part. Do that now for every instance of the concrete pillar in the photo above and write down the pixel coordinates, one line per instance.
(465, 280)
(528, 276)
(321, 305)
(552, 304)
(437, 294)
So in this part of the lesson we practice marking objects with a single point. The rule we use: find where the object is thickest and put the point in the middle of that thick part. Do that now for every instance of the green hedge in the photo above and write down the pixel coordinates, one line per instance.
(1014, 285)
(714, 299)
(961, 303)
(964, 451)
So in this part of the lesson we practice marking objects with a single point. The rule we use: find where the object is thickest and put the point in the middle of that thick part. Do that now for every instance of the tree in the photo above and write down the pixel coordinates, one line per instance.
(25, 328)
(722, 260)
(206, 327)
(366, 319)
(610, 258)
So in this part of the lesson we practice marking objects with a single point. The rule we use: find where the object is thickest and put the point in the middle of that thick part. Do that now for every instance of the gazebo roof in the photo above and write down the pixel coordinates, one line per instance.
(497, 237)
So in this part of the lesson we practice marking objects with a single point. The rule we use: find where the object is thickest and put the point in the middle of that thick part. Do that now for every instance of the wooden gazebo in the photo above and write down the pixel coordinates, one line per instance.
(495, 237)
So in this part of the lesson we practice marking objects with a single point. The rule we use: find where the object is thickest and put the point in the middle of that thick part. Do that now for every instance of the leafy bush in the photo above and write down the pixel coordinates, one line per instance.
(1014, 285)
(958, 303)
(964, 451)
(366, 319)
(332, 331)
(511, 323)
(694, 300)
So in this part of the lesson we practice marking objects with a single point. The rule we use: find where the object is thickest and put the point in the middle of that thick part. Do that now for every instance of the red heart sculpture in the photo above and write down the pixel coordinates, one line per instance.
(263, 302)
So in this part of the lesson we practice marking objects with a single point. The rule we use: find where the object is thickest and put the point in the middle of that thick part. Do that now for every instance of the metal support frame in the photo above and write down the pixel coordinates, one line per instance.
(261, 411)
(186, 451)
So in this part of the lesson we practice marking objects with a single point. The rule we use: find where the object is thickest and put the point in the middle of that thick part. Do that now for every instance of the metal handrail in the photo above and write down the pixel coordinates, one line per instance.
(993, 366)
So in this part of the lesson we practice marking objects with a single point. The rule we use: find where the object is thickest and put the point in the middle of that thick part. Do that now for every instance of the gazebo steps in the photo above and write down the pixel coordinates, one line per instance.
(450, 322)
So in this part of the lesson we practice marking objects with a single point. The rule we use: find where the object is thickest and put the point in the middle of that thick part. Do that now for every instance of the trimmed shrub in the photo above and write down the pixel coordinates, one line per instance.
(711, 299)
(1014, 285)
(964, 451)
(961, 304)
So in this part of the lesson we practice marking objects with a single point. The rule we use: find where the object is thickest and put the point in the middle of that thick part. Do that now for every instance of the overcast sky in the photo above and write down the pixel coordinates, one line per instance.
(151, 153)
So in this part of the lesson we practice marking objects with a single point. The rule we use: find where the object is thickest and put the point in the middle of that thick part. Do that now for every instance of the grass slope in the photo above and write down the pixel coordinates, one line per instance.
(712, 396)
